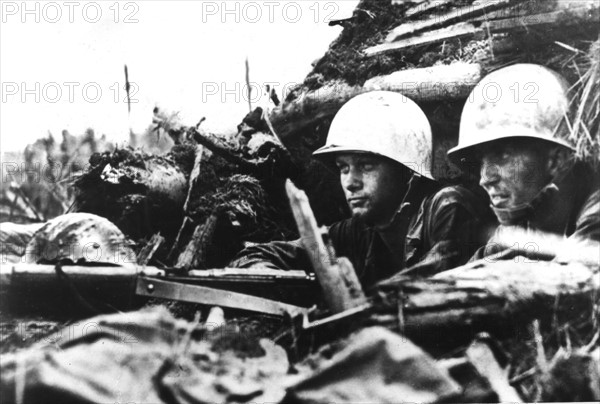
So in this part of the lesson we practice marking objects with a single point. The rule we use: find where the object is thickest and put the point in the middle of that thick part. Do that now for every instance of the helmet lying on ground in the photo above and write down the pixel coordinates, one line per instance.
(79, 238)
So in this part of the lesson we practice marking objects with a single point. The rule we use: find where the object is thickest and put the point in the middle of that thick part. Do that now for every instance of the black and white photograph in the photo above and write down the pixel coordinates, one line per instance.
(299, 201)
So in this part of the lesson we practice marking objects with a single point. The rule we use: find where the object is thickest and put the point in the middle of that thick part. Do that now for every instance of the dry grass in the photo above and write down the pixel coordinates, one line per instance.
(585, 126)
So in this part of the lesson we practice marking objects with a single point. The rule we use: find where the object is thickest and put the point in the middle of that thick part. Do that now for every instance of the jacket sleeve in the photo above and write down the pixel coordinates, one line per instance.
(494, 251)
(284, 255)
(588, 222)
(456, 223)
(288, 255)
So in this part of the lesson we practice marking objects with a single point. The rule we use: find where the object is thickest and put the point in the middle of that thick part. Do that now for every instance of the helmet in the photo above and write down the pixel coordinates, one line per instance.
(384, 123)
(523, 100)
(79, 237)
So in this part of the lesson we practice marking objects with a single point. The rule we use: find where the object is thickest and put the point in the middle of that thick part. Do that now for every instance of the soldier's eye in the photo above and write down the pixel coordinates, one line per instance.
(367, 165)
(343, 168)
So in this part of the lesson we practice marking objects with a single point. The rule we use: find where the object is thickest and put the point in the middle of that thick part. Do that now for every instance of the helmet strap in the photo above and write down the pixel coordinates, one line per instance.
(410, 184)
(511, 216)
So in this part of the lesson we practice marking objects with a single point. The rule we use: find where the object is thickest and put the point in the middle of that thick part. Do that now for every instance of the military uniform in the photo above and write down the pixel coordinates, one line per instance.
(438, 228)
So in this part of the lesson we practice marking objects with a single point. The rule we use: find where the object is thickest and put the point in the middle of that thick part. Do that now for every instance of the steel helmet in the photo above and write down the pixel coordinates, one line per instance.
(523, 100)
(79, 238)
(384, 123)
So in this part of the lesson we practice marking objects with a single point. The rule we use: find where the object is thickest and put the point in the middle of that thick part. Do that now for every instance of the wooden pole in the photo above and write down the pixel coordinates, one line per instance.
(339, 282)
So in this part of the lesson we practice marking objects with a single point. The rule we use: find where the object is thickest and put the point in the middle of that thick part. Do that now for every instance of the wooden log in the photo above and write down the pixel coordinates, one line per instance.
(194, 253)
(506, 20)
(159, 176)
(483, 296)
(222, 151)
(424, 7)
(552, 18)
(530, 12)
(314, 106)
(422, 85)
(148, 251)
(338, 280)
(445, 82)
(165, 180)
(449, 18)
(460, 30)
(141, 193)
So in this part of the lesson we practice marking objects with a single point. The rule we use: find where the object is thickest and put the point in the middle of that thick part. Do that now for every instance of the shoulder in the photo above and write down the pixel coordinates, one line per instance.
(583, 186)
(588, 219)
(346, 226)
(457, 196)
(591, 204)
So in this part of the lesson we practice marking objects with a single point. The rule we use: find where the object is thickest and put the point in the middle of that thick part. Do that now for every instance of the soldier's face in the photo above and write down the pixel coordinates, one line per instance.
(513, 173)
(372, 185)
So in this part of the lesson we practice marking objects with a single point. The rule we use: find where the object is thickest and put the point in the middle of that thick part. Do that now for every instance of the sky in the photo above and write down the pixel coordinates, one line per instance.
(62, 63)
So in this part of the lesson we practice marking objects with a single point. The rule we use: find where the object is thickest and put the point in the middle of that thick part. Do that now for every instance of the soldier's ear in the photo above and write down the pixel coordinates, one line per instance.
(559, 161)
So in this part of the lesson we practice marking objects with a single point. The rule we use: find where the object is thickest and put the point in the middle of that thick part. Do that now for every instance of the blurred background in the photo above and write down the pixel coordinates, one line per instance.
(186, 56)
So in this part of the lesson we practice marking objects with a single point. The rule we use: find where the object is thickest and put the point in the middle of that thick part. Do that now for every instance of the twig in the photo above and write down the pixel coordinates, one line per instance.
(187, 221)
(127, 88)
(564, 45)
(400, 303)
(541, 354)
(248, 85)
(526, 374)
(542, 363)
(222, 151)
(265, 116)
(194, 175)
(589, 347)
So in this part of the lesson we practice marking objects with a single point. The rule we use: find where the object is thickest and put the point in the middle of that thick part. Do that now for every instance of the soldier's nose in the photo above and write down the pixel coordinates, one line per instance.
(351, 182)
(490, 173)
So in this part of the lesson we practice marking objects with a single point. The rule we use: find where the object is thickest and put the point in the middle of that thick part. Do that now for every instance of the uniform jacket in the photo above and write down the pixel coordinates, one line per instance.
(440, 229)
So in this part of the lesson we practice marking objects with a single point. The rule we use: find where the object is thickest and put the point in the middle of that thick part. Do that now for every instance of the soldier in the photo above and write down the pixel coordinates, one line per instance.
(514, 128)
(380, 143)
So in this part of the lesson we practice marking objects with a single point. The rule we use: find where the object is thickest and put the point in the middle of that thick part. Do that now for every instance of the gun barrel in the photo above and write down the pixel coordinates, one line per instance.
(33, 287)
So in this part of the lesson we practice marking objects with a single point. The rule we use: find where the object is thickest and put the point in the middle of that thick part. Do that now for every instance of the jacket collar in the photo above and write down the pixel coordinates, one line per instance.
(418, 189)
